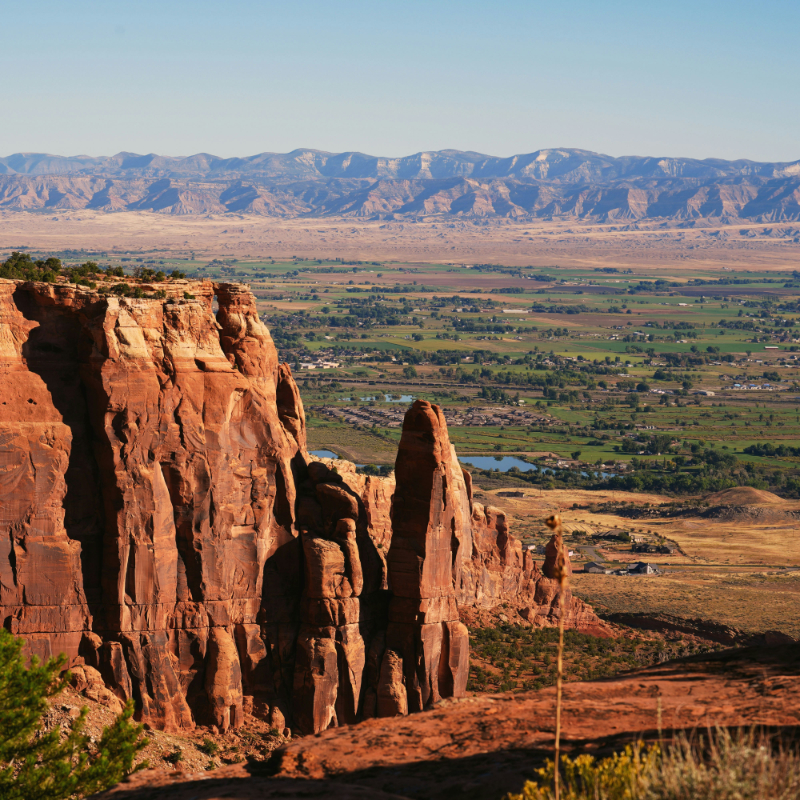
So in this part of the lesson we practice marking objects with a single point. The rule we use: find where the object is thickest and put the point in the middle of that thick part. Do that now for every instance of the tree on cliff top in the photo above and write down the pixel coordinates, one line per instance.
(22, 266)
(38, 765)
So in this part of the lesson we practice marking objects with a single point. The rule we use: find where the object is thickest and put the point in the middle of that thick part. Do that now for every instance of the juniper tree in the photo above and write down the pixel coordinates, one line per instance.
(39, 765)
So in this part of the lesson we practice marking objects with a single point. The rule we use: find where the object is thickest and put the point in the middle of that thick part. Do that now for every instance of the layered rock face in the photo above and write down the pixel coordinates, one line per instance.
(147, 483)
(162, 524)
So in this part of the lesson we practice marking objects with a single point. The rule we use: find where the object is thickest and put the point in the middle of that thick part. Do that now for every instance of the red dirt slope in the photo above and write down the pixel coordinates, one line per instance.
(482, 747)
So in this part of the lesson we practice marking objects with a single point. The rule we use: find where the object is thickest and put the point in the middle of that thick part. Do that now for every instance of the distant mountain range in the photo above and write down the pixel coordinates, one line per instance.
(558, 183)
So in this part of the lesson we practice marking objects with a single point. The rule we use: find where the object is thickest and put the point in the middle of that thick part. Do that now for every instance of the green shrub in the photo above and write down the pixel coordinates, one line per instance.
(35, 765)
(623, 776)
(208, 746)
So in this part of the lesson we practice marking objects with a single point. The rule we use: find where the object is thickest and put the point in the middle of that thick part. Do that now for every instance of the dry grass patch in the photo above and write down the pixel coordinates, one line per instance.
(751, 602)
(718, 765)
(735, 543)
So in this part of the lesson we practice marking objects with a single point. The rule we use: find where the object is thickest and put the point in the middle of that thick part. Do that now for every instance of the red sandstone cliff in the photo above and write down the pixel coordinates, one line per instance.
(161, 521)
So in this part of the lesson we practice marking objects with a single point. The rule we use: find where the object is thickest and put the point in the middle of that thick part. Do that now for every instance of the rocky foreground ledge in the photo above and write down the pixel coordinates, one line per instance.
(482, 747)
(162, 523)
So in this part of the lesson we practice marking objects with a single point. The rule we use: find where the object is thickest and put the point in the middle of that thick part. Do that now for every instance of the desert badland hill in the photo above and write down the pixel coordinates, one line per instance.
(561, 183)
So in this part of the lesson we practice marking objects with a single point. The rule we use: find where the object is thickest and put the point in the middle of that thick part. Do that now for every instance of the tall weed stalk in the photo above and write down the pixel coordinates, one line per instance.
(562, 576)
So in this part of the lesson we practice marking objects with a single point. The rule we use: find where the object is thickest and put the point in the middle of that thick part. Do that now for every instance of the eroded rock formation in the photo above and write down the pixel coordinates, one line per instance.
(162, 524)
(430, 526)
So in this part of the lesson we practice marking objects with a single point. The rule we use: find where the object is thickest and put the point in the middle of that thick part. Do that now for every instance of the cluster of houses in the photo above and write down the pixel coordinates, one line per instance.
(701, 392)
(319, 363)
(392, 417)
(768, 387)
(478, 417)
(365, 415)
(639, 544)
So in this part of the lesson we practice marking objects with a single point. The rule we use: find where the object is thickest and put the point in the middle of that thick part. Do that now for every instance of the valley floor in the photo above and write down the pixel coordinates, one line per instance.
(673, 247)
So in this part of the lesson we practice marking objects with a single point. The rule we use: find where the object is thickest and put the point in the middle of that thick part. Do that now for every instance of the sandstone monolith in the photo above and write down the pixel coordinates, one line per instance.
(163, 525)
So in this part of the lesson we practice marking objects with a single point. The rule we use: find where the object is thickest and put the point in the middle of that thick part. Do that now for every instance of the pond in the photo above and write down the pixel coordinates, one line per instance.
(501, 463)
(505, 463)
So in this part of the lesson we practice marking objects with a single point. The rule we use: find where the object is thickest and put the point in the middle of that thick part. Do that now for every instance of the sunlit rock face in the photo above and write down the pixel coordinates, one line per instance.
(162, 522)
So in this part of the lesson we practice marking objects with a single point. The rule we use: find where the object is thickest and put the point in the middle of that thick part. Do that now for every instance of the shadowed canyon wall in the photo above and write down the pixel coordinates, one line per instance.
(161, 522)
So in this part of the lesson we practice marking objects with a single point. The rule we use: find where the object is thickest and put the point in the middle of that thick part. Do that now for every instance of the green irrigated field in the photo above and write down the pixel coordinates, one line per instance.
(636, 369)
(678, 382)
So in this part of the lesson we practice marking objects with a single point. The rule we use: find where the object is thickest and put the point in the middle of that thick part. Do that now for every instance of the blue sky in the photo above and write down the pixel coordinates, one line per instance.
(699, 79)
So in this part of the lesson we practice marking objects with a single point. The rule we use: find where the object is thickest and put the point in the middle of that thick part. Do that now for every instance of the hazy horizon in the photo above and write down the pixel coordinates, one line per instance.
(208, 152)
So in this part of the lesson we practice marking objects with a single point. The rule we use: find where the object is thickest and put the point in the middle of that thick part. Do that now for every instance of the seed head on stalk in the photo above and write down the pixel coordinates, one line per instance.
(561, 574)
